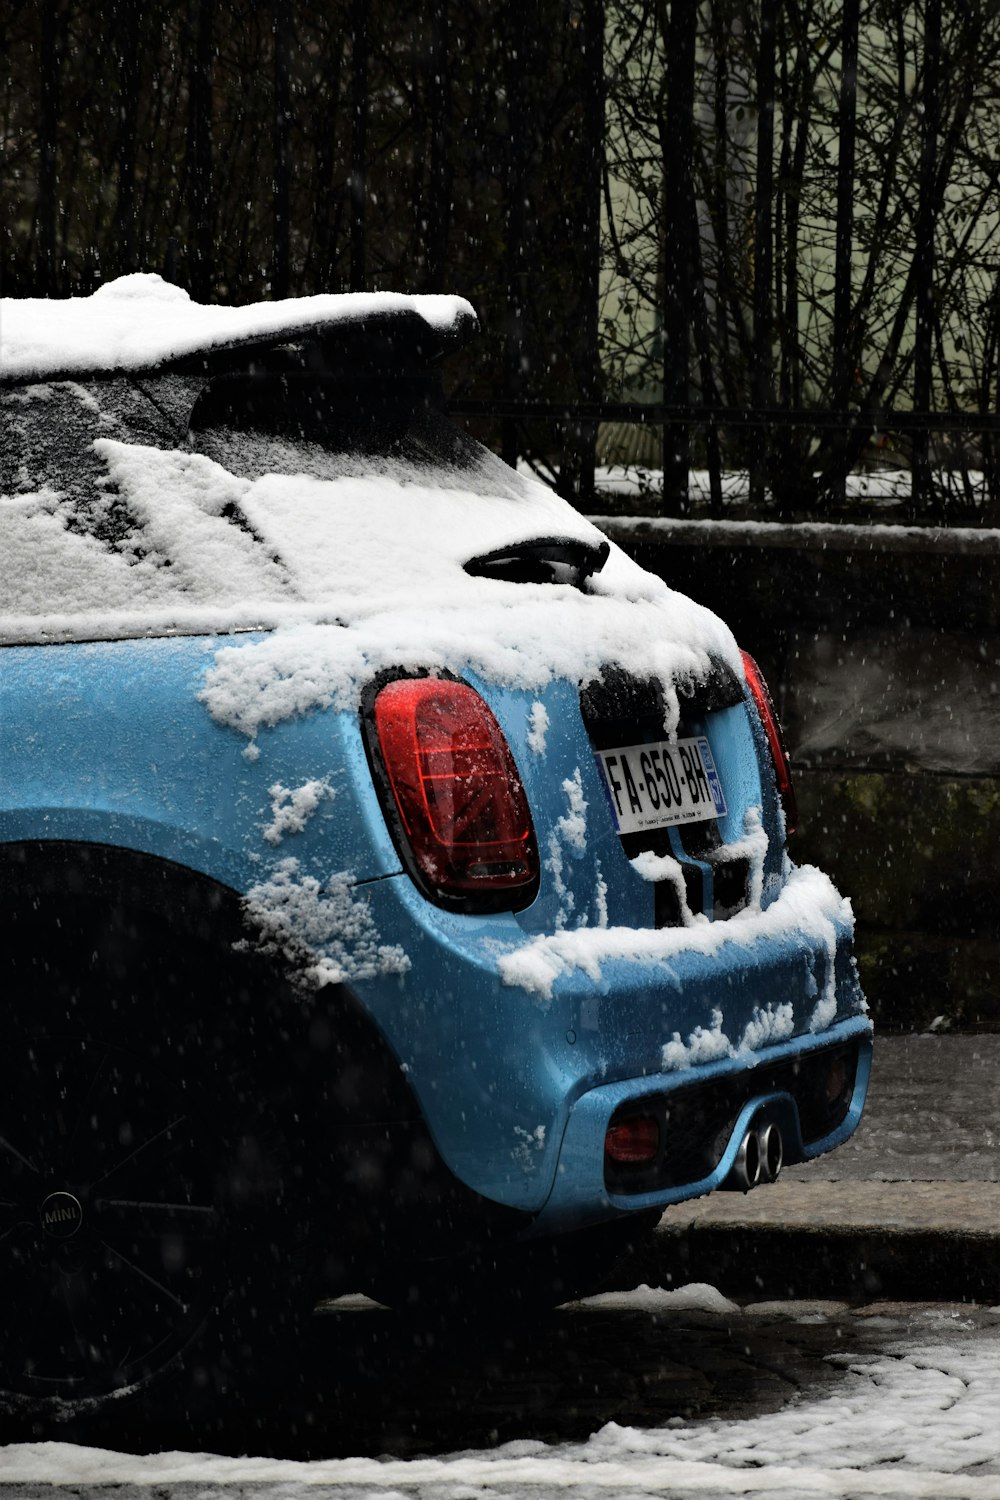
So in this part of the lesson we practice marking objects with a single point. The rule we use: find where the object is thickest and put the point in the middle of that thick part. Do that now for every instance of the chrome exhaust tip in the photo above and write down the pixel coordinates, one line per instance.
(759, 1159)
(745, 1171)
(771, 1149)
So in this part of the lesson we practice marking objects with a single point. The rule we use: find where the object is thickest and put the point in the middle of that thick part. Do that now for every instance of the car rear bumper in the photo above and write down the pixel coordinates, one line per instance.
(517, 1081)
(727, 1100)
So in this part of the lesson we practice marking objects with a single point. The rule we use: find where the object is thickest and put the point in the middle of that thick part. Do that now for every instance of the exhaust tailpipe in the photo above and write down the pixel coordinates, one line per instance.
(772, 1152)
(759, 1159)
(745, 1172)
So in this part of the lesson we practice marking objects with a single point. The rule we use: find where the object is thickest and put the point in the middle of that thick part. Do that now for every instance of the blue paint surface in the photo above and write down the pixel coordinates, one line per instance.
(109, 743)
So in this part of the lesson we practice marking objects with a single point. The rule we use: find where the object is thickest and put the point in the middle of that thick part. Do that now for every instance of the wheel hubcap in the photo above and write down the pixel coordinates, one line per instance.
(61, 1215)
(112, 1243)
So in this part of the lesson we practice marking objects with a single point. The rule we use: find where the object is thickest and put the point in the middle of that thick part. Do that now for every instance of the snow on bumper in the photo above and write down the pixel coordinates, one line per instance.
(808, 911)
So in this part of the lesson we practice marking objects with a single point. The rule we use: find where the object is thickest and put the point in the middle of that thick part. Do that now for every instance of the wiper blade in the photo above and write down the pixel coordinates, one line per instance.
(542, 560)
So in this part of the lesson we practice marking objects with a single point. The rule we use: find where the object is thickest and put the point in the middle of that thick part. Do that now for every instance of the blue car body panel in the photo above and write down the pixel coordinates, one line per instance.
(110, 743)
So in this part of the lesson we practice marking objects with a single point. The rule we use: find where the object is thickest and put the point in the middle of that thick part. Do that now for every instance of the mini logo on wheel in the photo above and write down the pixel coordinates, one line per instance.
(61, 1215)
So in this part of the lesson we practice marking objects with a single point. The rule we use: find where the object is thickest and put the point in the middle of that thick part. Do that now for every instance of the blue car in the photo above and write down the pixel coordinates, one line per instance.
(395, 893)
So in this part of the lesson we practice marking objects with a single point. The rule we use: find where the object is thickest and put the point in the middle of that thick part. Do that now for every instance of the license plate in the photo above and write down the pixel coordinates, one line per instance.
(655, 786)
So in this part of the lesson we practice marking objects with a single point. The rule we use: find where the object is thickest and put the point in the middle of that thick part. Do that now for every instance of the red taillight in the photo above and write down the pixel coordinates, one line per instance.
(462, 808)
(775, 740)
(632, 1142)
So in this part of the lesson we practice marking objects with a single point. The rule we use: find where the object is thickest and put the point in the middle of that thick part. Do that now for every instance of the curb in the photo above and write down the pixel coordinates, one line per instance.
(764, 1262)
(809, 1237)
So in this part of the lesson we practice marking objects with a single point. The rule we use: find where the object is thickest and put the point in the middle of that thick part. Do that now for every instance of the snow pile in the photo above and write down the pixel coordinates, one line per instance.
(708, 1044)
(568, 834)
(664, 868)
(513, 635)
(141, 321)
(387, 556)
(838, 536)
(538, 721)
(880, 487)
(697, 1296)
(807, 912)
(292, 807)
(530, 1145)
(752, 847)
(59, 578)
(349, 574)
(325, 931)
(638, 482)
(916, 1421)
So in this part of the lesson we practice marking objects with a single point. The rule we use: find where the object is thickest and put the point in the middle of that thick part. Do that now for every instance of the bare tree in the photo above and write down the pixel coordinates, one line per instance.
(201, 187)
(49, 89)
(837, 151)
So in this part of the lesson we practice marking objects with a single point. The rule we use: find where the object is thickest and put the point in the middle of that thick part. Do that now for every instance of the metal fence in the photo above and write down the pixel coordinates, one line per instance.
(920, 467)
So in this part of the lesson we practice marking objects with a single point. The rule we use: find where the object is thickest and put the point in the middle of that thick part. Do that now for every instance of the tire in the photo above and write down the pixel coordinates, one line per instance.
(516, 1280)
(141, 1179)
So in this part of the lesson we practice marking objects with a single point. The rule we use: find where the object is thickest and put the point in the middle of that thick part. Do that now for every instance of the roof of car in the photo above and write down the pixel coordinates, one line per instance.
(121, 521)
(141, 322)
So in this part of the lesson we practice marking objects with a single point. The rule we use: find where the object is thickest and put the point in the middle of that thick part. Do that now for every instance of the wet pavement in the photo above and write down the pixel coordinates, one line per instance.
(618, 1396)
(933, 1115)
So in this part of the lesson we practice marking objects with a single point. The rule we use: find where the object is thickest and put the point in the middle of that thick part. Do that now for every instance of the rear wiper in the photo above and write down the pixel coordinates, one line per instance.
(542, 560)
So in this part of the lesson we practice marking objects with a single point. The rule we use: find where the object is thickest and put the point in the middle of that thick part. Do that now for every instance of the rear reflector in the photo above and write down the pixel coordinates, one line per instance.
(775, 740)
(633, 1141)
(463, 814)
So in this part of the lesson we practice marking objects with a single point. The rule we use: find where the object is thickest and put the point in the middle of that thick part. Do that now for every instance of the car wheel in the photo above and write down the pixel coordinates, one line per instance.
(514, 1280)
(132, 1213)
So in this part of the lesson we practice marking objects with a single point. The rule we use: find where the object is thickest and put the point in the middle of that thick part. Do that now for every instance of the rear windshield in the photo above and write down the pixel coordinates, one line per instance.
(164, 503)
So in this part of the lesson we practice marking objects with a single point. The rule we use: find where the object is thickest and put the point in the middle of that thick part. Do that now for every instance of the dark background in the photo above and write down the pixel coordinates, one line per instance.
(808, 268)
(799, 201)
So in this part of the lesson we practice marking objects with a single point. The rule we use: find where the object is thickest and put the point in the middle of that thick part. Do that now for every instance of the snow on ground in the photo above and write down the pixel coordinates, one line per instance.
(917, 1419)
(834, 536)
(882, 488)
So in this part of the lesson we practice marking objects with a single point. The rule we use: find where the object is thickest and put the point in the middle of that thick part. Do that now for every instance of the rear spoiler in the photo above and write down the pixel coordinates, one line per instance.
(141, 324)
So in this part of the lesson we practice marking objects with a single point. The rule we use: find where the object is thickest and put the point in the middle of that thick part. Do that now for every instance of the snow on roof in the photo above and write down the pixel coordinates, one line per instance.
(380, 556)
(141, 322)
(103, 537)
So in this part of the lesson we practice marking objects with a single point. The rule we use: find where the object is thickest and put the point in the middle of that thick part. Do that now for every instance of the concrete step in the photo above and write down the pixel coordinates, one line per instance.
(855, 1241)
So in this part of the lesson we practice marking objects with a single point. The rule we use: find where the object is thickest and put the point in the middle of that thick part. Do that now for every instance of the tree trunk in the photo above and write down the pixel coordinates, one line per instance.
(921, 490)
(359, 144)
(677, 137)
(282, 166)
(126, 48)
(325, 126)
(763, 317)
(201, 195)
(844, 350)
(517, 32)
(438, 210)
(582, 438)
(47, 278)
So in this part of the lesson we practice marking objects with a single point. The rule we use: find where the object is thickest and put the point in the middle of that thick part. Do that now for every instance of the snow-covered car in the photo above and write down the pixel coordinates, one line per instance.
(395, 889)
